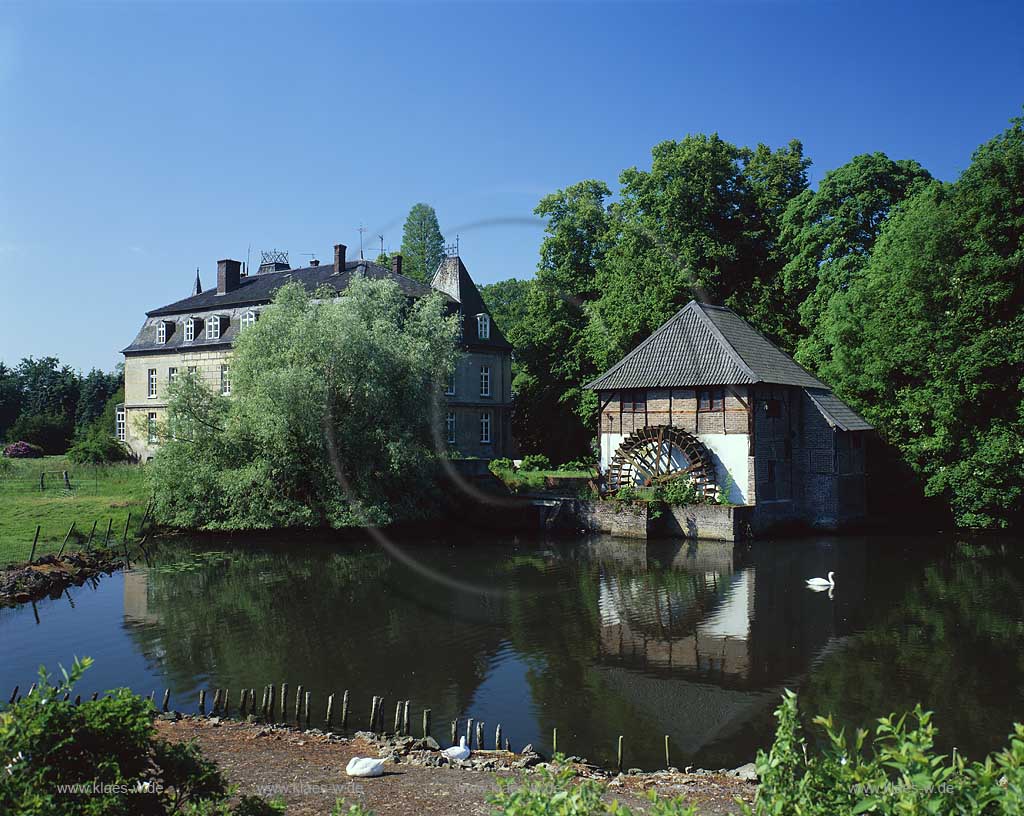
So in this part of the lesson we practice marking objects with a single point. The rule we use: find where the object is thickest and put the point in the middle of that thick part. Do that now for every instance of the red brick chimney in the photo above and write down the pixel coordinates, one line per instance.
(228, 275)
(396, 263)
(339, 258)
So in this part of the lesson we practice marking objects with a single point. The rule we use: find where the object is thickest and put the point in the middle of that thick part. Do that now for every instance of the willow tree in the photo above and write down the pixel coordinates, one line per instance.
(333, 419)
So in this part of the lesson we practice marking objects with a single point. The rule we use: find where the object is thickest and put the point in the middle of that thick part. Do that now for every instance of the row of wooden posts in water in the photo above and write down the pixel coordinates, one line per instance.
(92, 533)
(268, 705)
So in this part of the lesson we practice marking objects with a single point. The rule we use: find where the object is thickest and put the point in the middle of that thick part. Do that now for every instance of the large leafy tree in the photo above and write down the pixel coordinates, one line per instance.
(47, 387)
(701, 223)
(930, 340)
(422, 243)
(553, 412)
(10, 398)
(828, 235)
(335, 418)
(507, 302)
(96, 389)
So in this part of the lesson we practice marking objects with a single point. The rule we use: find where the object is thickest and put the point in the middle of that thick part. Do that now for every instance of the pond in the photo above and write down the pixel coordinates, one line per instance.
(597, 637)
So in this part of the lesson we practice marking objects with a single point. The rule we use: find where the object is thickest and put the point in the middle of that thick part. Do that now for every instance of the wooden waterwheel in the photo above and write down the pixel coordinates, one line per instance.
(660, 453)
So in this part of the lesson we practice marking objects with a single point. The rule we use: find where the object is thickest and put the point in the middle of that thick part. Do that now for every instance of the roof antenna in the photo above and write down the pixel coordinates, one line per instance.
(381, 243)
(362, 229)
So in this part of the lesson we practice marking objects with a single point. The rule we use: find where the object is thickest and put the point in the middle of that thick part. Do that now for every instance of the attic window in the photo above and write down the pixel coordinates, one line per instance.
(710, 400)
(190, 330)
(483, 326)
(248, 319)
(161, 332)
(634, 401)
(213, 328)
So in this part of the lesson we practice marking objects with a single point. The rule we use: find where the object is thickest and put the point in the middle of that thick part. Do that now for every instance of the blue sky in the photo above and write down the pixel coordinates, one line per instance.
(139, 141)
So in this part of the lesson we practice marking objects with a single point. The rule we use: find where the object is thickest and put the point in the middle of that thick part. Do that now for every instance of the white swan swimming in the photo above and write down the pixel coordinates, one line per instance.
(822, 582)
(458, 752)
(364, 766)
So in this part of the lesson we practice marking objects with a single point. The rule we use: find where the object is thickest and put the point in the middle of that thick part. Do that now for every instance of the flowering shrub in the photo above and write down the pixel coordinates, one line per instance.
(23, 450)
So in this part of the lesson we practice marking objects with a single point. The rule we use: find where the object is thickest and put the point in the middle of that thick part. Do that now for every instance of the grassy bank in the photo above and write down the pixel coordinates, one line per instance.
(98, 493)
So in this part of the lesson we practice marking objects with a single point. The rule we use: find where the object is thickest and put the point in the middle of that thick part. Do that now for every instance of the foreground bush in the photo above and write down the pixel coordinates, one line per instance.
(535, 461)
(23, 450)
(556, 791)
(102, 758)
(97, 447)
(897, 771)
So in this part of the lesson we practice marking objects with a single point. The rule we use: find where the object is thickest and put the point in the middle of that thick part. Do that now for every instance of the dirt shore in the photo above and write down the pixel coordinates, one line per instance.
(307, 770)
(49, 576)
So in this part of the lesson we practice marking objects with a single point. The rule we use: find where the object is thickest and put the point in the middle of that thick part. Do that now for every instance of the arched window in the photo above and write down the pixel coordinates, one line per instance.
(213, 328)
(483, 326)
(161, 332)
(190, 330)
(248, 319)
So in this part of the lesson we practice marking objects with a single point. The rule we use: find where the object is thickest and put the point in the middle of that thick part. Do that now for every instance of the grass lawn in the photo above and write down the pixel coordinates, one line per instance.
(98, 493)
(532, 480)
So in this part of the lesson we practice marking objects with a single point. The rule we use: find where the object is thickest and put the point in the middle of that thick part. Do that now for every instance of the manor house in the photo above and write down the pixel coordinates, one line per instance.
(196, 334)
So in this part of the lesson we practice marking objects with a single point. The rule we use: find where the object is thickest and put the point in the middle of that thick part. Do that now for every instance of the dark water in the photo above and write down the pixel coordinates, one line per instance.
(599, 637)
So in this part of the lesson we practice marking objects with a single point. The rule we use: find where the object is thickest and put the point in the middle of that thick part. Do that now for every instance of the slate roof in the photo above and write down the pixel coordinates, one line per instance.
(257, 289)
(703, 345)
(836, 412)
(453, 279)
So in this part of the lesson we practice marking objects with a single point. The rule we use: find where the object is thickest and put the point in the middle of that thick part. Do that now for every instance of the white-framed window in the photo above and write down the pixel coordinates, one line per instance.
(248, 319)
(449, 427)
(151, 427)
(225, 380)
(449, 389)
(119, 427)
(151, 383)
(213, 328)
(161, 332)
(483, 326)
(172, 374)
(485, 426)
(192, 369)
(190, 330)
(485, 381)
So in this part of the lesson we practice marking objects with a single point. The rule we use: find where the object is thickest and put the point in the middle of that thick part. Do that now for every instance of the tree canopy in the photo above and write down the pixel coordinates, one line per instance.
(422, 243)
(334, 419)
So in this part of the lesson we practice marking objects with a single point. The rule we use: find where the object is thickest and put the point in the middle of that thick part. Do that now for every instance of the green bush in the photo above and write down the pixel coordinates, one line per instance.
(51, 432)
(556, 791)
(97, 447)
(579, 464)
(501, 464)
(108, 750)
(535, 461)
(897, 772)
(678, 491)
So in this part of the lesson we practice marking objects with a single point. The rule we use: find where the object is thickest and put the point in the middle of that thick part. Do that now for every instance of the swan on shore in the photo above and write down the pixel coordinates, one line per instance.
(822, 582)
(364, 766)
(458, 752)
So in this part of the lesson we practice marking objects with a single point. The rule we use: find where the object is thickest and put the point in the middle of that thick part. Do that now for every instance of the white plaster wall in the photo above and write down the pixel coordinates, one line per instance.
(729, 452)
(609, 444)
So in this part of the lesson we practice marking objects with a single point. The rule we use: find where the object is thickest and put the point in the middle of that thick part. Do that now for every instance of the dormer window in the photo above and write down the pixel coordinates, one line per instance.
(213, 328)
(161, 332)
(190, 330)
(483, 326)
(249, 319)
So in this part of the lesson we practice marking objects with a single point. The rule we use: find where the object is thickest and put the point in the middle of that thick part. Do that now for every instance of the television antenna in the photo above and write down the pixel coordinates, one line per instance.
(362, 229)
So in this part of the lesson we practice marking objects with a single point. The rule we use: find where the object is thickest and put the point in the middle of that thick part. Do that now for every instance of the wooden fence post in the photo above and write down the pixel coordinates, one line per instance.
(35, 541)
(88, 543)
(426, 723)
(344, 709)
(71, 529)
(106, 538)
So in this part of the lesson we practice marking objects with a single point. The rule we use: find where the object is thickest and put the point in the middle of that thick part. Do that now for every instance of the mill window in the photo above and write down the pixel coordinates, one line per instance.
(485, 381)
(485, 426)
(635, 401)
(711, 399)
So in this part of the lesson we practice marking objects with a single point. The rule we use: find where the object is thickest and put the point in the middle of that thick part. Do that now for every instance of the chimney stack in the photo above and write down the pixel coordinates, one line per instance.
(339, 258)
(228, 274)
(396, 263)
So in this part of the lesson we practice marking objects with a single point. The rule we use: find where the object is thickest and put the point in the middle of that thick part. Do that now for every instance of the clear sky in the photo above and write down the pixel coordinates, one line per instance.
(139, 141)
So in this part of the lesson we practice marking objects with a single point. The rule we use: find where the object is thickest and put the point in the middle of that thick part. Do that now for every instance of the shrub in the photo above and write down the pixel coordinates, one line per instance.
(578, 464)
(555, 791)
(51, 432)
(23, 450)
(501, 464)
(109, 747)
(627, 493)
(678, 491)
(897, 772)
(97, 447)
(535, 461)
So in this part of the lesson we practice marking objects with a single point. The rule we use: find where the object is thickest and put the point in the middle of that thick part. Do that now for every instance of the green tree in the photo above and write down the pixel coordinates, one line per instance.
(422, 243)
(701, 223)
(47, 387)
(507, 302)
(929, 343)
(10, 398)
(95, 391)
(828, 235)
(554, 415)
(335, 417)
